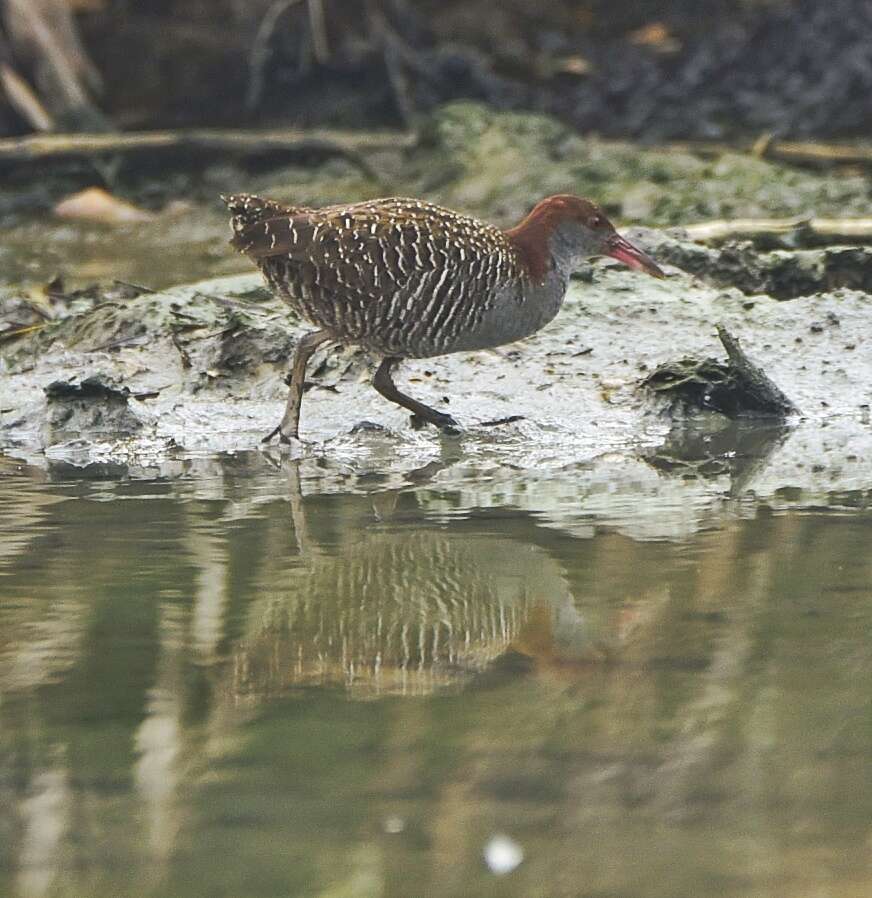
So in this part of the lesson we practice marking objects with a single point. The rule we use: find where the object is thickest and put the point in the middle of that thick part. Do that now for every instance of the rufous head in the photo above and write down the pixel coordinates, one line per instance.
(564, 230)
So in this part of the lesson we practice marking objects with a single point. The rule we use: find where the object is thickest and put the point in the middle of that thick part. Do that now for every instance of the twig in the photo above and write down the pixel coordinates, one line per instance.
(396, 54)
(14, 333)
(133, 286)
(46, 29)
(766, 395)
(399, 82)
(792, 230)
(808, 153)
(23, 100)
(318, 24)
(121, 341)
(232, 302)
(42, 148)
(260, 51)
(180, 347)
(737, 389)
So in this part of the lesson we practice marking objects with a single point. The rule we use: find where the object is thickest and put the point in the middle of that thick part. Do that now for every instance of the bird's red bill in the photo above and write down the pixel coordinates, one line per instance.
(624, 251)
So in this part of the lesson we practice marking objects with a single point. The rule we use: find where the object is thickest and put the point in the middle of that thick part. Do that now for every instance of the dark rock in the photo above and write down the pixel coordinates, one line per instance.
(93, 407)
(97, 386)
(782, 274)
(736, 388)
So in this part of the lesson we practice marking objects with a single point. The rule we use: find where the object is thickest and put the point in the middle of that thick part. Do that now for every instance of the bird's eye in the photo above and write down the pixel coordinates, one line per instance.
(596, 221)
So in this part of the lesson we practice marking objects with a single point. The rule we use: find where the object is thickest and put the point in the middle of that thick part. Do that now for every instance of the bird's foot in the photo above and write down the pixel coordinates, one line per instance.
(273, 433)
(443, 422)
(498, 422)
(289, 441)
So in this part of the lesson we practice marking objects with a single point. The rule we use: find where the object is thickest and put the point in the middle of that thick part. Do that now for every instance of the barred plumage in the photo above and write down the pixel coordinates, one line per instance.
(405, 278)
(396, 276)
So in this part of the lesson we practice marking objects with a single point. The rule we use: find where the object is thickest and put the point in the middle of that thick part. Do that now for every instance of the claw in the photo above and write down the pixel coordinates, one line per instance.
(445, 423)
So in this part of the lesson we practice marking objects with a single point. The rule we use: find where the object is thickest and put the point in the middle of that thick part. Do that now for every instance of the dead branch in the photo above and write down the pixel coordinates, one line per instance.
(763, 393)
(736, 389)
(23, 100)
(260, 50)
(801, 153)
(56, 147)
(395, 55)
(792, 231)
(43, 33)
(817, 154)
(318, 23)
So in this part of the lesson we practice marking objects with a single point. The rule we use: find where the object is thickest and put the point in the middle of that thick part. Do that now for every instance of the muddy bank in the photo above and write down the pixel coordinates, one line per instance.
(148, 379)
(132, 377)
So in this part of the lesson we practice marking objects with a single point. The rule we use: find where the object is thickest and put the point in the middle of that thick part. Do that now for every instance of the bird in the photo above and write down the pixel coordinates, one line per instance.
(407, 279)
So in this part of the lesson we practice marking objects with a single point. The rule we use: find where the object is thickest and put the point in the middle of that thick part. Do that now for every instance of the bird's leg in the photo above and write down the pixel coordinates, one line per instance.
(289, 428)
(385, 385)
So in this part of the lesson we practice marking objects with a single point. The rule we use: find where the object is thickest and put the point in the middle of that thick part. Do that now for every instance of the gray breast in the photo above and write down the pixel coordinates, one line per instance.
(515, 312)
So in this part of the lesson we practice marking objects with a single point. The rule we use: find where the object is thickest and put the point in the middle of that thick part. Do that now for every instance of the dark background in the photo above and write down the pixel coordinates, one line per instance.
(711, 69)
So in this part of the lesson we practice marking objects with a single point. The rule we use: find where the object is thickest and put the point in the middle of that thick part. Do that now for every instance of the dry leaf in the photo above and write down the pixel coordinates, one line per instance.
(574, 65)
(95, 204)
(655, 36)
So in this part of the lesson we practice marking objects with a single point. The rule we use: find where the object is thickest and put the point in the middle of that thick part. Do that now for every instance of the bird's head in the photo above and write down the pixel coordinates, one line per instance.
(564, 230)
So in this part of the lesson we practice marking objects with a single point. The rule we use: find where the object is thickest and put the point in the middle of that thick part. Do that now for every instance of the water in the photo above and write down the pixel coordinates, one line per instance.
(229, 677)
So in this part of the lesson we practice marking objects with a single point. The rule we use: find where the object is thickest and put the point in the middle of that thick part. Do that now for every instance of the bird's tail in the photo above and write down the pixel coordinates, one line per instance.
(247, 209)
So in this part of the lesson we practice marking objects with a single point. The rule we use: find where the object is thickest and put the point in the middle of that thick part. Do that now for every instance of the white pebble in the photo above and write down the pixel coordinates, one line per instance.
(502, 854)
(394, 825)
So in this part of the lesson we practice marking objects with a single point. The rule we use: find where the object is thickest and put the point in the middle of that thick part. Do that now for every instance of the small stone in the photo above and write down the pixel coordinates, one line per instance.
(368, 427)
(95, 204)
(394, 824)
(502, 854)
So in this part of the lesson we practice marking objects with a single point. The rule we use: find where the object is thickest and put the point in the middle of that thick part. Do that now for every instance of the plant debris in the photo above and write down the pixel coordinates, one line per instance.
(95, 406)
(736, 388)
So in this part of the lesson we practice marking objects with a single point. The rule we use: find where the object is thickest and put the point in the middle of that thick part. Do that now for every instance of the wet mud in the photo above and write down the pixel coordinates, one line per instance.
(149, 379)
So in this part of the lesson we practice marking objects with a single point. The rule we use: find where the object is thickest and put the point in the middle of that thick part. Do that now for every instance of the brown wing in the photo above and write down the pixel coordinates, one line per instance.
(359, 249)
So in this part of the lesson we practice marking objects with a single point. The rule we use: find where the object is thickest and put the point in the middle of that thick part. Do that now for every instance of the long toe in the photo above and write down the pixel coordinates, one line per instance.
(286, 438)
(294, 445)
(498, 422)
(444, 422)
(448, 425)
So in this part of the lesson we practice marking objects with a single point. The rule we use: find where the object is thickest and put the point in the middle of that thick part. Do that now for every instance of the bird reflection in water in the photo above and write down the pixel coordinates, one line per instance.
(389, 608)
